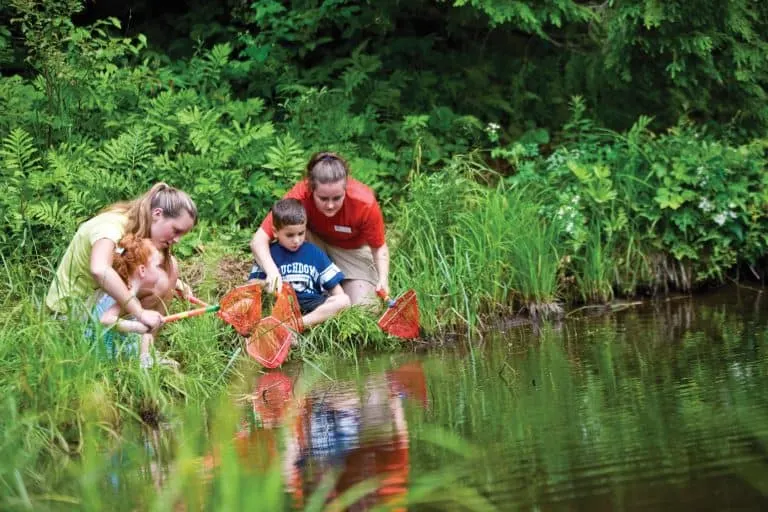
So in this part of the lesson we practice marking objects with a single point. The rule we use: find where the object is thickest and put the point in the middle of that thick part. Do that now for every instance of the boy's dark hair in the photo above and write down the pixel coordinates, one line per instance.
(288, 212)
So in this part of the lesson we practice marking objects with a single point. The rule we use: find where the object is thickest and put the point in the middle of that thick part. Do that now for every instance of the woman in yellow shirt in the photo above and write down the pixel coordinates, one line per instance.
(163, 214)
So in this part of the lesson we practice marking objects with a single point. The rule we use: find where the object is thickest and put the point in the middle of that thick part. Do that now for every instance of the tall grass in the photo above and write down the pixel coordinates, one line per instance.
(346, 335)
(592, 269)
(59, 392)
(472, 250)
(72, 430)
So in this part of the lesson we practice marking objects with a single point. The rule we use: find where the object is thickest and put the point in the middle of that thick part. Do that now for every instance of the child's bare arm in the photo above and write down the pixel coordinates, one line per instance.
(124, 325)
(112, 317)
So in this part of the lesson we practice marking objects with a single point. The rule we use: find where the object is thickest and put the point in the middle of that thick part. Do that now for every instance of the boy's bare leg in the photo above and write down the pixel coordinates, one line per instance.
(326, 310)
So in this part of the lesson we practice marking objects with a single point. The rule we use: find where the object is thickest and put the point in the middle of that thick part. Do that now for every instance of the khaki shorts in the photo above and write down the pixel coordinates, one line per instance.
(355, 263)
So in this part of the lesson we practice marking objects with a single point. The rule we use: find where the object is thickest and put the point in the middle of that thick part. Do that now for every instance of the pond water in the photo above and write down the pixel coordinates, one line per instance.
(663, 405)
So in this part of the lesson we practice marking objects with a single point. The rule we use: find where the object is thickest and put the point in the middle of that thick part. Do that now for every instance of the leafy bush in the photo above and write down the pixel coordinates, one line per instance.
(676, 208)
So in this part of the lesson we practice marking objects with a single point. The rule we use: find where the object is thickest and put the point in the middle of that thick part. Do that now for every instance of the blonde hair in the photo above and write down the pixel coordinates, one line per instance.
(131, 252)
(171, 200)
(326, 167)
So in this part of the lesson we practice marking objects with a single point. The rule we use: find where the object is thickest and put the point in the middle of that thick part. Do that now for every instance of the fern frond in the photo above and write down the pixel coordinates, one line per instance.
(19, 155)
(130, 153)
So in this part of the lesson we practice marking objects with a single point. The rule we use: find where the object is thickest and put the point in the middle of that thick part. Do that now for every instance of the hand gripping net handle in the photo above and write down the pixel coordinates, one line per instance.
(402, 318)
(241, 308)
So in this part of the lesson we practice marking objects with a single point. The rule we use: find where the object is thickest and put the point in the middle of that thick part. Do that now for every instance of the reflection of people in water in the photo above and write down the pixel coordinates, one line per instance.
(352, 435)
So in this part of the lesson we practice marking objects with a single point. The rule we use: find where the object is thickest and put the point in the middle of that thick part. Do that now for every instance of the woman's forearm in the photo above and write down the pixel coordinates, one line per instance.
(260, 250)
(381, 262)
(124, 325)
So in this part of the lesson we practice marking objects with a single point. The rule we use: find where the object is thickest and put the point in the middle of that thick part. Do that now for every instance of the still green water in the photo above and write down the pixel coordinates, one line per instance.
(662, 406)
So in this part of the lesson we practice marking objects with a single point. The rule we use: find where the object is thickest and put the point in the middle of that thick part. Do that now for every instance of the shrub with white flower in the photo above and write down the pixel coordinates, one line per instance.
(492, 129)
(720, 218)
(705, 205)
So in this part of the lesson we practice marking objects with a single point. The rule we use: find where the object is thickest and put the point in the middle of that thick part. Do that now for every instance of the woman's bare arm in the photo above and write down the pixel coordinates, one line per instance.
(260, 250)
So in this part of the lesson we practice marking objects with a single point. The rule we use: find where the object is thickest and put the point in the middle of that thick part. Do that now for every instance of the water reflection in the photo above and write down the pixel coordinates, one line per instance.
(347, 432)
(661, 406)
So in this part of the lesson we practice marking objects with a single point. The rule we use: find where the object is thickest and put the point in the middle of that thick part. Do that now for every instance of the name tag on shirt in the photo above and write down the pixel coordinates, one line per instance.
(342, 229)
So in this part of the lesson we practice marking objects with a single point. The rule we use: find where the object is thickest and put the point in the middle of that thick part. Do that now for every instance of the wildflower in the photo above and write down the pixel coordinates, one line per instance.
(720, 218)
(492, 128)
(569, 228)
(732, 214)
(705, 205)
(575, 200)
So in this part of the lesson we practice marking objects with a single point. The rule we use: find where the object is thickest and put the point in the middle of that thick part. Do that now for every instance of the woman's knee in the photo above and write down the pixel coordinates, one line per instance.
(359, 292)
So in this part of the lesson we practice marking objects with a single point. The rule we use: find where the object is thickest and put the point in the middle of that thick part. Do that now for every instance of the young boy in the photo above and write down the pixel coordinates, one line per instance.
(314, 277)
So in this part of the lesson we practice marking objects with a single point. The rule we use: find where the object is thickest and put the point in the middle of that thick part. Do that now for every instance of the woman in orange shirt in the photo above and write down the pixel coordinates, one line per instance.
(345, 220)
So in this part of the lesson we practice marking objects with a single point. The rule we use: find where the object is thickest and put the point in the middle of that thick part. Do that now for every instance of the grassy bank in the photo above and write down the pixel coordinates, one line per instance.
(604, 215)
(475, 243)
(79, 432)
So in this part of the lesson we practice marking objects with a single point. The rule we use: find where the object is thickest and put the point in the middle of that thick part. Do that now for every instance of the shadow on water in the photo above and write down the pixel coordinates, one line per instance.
(660, 406)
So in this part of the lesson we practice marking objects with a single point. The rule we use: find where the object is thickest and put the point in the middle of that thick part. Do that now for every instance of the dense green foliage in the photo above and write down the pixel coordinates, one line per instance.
(528, 154)
(95, 112)
(605, 213)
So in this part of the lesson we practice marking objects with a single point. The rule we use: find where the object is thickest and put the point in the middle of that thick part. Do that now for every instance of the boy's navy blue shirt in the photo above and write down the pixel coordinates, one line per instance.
(309, 270)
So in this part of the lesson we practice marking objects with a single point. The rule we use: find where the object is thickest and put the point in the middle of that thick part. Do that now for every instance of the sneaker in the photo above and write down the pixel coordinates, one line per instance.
(147, 361)
(167, 361)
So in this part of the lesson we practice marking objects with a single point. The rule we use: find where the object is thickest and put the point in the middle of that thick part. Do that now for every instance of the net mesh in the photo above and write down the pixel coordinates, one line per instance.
(241, 308)
(287, 309)
(402, 319)
(269, 343)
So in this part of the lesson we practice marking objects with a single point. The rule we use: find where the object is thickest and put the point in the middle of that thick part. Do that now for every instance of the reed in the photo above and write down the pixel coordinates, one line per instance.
(473, 251)
(593, 268)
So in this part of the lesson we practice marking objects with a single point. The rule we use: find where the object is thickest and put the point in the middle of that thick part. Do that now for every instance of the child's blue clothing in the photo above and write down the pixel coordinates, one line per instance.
(114, 342)
(309, 270)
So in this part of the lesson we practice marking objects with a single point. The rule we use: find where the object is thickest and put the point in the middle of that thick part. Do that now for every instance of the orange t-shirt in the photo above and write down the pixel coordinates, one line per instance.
(359, 221)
